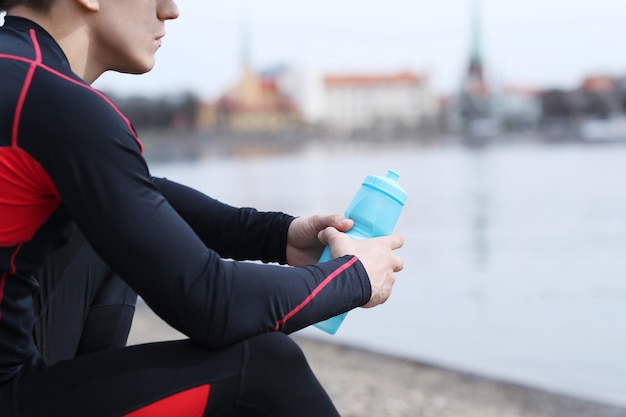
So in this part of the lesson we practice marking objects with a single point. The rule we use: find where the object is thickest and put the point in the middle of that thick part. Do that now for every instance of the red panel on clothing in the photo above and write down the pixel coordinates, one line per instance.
(190, 403)
(28, 196)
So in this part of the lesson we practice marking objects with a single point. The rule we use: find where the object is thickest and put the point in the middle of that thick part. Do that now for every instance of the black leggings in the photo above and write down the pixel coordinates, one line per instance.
(84, 313)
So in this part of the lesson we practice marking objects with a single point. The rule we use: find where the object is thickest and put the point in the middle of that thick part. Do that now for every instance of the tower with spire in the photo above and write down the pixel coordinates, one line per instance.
(475, 98)
(474, 82)
(255, 102)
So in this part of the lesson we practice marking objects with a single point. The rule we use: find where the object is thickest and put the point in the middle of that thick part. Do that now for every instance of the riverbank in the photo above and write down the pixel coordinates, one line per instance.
(367, 384)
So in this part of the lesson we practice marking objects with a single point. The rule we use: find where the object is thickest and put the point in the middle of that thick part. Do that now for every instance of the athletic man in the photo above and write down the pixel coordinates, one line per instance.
(84, 228)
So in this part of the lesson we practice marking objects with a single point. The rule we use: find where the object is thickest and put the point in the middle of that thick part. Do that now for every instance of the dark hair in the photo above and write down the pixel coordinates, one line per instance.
(35, 4)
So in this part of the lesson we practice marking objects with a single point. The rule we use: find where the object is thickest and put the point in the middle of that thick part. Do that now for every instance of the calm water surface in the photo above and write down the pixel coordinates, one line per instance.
(515, 255)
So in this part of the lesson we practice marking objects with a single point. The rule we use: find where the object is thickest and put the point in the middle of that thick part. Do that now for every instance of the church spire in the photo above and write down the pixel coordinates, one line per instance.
(245, 45)
(475, 101)
(476, 32)
(475, 81)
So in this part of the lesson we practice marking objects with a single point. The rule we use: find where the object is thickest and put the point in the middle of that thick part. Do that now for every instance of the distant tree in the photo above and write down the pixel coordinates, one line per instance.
(555, 105)
(163, 112)
(598, 105)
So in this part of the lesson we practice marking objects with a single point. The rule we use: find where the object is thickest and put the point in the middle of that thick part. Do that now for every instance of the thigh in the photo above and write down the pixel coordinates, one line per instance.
(171, 378)
(266, 375)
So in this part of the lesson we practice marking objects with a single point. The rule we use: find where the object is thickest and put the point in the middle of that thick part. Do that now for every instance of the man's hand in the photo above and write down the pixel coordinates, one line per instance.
(303, 244)
(375, 254)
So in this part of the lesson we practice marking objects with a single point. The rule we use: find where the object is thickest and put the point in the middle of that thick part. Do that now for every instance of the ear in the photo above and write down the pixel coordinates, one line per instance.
(91, 5)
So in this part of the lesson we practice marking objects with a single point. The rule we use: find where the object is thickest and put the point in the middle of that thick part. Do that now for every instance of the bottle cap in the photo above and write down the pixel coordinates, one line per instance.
(388, 185)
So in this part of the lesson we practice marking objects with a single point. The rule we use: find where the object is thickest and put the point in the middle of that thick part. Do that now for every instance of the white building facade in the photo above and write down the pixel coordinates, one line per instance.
(372, 101)
(361, 102)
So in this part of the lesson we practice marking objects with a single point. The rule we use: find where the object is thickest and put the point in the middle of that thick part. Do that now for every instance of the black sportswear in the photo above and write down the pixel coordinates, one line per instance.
(69, 157)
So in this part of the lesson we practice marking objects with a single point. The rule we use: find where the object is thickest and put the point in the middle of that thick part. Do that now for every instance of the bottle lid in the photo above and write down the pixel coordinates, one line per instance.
(388, 185)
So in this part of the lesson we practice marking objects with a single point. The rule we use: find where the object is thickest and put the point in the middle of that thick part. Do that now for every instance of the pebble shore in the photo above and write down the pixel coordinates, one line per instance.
(366, 384)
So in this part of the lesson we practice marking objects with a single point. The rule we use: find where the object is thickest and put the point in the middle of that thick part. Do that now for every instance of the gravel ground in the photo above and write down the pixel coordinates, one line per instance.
(366, 384)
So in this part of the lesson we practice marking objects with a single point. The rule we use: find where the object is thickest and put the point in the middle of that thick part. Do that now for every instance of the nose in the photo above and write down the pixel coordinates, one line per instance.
(167, 10)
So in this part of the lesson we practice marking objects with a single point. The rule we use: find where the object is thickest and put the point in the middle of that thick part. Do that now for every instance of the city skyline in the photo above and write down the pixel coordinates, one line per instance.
(531, 43)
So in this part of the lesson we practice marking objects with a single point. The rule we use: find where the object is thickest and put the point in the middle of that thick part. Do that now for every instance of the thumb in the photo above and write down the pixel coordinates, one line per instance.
(328, 235)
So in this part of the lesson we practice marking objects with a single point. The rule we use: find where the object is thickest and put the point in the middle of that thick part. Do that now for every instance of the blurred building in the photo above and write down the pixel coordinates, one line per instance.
(255, 103)
(362, 102)
(284, 99)
(599, 96)
(483, 108)
(600, 104)
(470, 111)
(388, 102)
(517, 108)
(593, 111)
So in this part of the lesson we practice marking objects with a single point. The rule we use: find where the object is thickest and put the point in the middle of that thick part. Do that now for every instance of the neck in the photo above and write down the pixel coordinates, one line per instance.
(69, 29)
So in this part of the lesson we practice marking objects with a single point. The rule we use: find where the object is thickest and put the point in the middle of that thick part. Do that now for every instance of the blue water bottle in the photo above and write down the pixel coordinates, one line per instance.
(375, 210)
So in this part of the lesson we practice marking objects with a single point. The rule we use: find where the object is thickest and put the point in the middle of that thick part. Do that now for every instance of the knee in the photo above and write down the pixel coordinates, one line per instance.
(278, 380)
(275, 353)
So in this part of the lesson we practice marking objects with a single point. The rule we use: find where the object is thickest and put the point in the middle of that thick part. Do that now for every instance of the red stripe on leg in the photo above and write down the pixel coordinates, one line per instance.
(189, 403)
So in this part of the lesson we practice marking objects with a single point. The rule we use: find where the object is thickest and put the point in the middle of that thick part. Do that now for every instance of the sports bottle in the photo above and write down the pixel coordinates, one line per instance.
(375, 210)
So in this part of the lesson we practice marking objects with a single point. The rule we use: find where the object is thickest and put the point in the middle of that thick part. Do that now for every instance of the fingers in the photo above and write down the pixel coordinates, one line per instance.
(398, 264)
(338, 221)
(328, 235)
(396, 241)
(344, 224)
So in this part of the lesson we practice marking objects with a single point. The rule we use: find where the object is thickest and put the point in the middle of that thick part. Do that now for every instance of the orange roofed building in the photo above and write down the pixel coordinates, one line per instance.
(256, 104)
(368, 101)
(253, 104)
(598, 83)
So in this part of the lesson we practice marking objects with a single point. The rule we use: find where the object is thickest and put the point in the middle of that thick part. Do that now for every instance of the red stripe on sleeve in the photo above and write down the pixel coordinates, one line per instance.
(33, 37)
(315, 292)
(20, 104)
(25, 87)
(189, 403)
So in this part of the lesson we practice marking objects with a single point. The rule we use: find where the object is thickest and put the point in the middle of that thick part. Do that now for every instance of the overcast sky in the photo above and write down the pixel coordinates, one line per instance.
(534, 43)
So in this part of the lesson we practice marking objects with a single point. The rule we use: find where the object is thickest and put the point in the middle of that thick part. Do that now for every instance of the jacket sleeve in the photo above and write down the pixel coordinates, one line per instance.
(105, 185)
(237, 233)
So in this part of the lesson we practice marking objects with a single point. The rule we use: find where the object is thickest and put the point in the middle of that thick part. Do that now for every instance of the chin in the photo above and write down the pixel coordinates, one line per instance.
(137, 67)
(137, 72)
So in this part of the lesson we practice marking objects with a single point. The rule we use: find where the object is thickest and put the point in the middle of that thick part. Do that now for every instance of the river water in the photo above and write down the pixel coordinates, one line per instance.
(515, 255)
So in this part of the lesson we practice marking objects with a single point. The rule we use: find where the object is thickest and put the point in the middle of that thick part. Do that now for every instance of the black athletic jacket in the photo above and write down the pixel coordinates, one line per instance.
(69, 157)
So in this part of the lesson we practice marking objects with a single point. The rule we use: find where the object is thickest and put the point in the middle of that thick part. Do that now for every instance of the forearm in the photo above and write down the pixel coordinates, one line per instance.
(237, 233)
(241, 300)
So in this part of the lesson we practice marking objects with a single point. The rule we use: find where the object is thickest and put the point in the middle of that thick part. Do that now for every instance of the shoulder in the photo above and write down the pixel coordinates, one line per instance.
(70, 112)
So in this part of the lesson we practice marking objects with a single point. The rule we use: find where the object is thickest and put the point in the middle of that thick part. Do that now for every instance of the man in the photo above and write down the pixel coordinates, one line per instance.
(84, 228)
